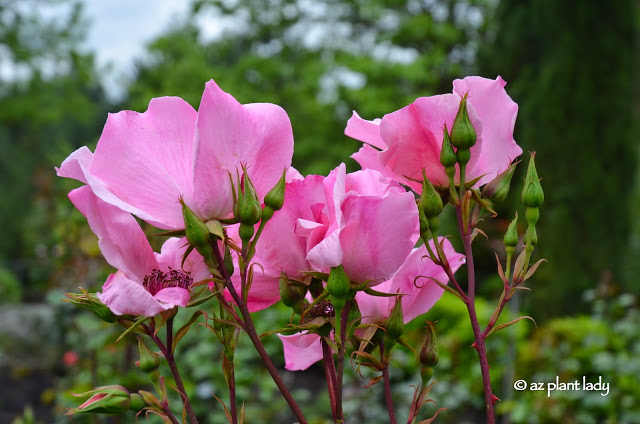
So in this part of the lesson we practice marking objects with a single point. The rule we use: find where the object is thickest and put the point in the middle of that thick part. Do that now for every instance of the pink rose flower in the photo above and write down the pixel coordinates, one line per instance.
(146, 283)
(303, 350)
(144, 162)
(363, 221)
(369, 226)
(406, 141)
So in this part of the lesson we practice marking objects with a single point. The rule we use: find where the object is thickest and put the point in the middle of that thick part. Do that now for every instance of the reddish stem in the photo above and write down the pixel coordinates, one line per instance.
(330, 375)
(339, 418)
(479, 344)
(387, 387)
(255, 339)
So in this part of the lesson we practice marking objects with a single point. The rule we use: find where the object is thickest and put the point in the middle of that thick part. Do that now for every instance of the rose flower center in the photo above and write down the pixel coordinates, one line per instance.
(159, 280)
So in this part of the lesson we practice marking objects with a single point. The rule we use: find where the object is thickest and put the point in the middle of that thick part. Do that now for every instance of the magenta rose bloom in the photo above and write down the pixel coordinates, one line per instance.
(404, 142)
(146, 283)
(145, 162)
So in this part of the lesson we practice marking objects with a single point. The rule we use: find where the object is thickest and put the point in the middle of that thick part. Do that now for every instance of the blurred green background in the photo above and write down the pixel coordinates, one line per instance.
(571, 67)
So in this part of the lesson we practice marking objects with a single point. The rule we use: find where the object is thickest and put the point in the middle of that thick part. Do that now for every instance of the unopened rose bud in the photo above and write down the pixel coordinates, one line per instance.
(532, 193)
(498, 189)
(149, 361)
(338, 286)
(395, 323)
(247, 209)
(197, 232)
(430, 200)
(275, 198)
(511, 236)
(463, 135)
(104, 400)
(291, 293)
(429, 354)
(448, 157)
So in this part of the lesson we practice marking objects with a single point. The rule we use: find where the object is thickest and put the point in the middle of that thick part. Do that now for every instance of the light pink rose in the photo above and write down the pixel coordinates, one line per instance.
(362, 220)
(369, 226)
(404, 142)
(144, 162)
(303, 350)
(146, 283)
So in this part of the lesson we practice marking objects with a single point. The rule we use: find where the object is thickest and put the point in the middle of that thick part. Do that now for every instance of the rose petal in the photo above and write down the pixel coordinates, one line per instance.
(230, 135)
(301, 350)
(173, 296)
(145, 159)
(420, 299)
(125, 296)
(122, 242)
(366, 131)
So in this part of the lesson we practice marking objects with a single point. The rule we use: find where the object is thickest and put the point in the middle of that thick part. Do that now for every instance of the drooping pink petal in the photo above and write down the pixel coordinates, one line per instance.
(146, 160)
(422, 295)
(301, 350)
(121, 240)
(498, 114)
(173, 296)
(125, 296)
(230, 135)
(365, 131)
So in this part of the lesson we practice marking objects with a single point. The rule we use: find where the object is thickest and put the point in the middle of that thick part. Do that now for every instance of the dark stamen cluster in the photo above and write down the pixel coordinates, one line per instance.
(323, 309)
(159, 280)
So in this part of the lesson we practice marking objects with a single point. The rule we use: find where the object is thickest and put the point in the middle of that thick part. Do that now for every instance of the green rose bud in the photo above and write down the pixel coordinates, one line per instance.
(149, 361)
(104, 400)
(429, 354)
(275, 198)
(448, 156)
(395, 323)
(511, 236)
(430, 200)
(463, 135)
(197, 232)
(498, 189)
(532, 194)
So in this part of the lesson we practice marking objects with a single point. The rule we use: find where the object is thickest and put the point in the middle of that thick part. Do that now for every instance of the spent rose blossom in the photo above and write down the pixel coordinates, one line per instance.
(146, 283)
(404, 142)
(303, 350)
(144, 162)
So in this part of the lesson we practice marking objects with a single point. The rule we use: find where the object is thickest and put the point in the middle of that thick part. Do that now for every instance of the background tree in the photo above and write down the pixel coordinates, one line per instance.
(573, 71)
(50, 103)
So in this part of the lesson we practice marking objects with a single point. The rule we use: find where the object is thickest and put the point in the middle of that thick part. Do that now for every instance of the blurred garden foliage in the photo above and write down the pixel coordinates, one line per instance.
(573, 73)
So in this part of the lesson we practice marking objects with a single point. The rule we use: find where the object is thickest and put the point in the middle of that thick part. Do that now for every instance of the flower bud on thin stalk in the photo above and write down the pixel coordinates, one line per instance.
(463, 138)
(510, 241)
(532, 198)
(497, 189)
(394, 326)
(107, 400)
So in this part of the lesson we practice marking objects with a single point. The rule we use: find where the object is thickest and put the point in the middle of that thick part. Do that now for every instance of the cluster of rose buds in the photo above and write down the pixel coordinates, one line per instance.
(355, 256)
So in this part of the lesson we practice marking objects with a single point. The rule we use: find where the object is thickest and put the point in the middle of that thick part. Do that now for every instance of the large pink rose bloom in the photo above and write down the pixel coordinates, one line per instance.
(404, 142)
(303, 350)
(146, 283)
(144, 162)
